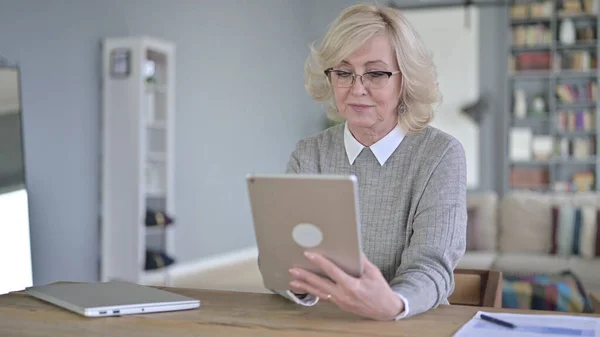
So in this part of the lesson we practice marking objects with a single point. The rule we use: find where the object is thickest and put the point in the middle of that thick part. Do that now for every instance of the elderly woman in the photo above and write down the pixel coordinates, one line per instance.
(376, 74)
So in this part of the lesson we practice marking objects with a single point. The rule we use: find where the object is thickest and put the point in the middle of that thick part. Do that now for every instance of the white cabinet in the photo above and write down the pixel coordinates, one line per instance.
(138, 111)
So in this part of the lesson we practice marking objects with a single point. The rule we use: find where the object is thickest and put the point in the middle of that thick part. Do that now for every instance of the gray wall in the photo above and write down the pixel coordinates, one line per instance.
(492, 79)
(241, 106)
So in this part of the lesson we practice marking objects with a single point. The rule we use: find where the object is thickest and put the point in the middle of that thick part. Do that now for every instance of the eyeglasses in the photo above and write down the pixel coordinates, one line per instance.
(371, 79)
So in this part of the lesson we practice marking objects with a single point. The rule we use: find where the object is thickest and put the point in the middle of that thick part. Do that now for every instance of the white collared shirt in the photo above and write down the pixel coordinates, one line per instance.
(382, 149)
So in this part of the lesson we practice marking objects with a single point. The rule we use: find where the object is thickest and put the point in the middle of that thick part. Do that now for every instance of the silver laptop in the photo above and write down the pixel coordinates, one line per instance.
(296, 213)
(111, 298)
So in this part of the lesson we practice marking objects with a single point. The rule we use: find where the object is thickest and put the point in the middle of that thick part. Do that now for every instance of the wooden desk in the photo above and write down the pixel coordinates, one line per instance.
(224, 314)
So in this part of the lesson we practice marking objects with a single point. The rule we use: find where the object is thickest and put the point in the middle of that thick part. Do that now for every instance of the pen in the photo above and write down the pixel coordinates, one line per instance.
(497, 321)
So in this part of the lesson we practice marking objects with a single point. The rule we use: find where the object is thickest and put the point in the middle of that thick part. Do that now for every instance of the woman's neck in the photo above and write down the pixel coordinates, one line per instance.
(370, 135)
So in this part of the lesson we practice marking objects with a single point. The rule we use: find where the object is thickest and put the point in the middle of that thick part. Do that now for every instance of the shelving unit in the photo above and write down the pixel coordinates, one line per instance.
(552, 96)
(138, 112)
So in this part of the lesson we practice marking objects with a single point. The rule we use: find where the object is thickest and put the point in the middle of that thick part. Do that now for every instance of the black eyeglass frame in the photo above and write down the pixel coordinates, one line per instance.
(389, 74)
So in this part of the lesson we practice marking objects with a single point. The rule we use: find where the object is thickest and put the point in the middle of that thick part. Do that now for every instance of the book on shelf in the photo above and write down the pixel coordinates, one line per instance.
(574, 7)
(580, 182)
(529, 177)
(540, 9)
(572, 61)
(545, 9)
(531, 60)
(583, 181)
(575, 148)
(575, 120)
(585, 34)
(578, 60)
(531, 36)
(572, 93)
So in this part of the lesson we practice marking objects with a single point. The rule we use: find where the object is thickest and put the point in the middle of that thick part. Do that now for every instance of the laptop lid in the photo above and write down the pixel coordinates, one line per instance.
(111, 298)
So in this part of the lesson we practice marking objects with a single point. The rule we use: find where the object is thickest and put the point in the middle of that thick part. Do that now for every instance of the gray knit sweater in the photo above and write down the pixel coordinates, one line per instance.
(413, 208)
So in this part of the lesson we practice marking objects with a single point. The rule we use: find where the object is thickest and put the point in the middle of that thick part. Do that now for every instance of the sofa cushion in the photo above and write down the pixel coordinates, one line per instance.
(575, 231)
(482, 224)
(555, 292)
(477, 260)
(588, 272)
(526, 219)
(473, 224)
(525, 264)
(530, 264)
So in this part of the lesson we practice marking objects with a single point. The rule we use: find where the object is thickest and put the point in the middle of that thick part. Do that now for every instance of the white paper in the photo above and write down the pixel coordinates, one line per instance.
(531, 326)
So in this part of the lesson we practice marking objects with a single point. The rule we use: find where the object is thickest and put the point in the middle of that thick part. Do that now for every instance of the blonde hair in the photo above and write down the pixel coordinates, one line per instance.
(353, 27)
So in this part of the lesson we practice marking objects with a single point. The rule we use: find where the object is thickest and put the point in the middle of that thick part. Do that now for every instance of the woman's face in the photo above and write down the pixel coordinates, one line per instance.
(365, 106)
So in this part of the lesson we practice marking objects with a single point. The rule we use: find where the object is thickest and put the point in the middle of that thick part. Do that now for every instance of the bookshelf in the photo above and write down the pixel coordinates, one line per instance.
(137, 220)
(552, 96)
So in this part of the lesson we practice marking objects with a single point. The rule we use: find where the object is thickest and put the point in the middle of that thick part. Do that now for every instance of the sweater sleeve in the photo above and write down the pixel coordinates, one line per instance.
(305, 158)
(437, 237)
(293, 165)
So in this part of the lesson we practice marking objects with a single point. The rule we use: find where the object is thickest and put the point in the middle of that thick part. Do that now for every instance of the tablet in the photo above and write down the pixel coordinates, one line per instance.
(296, 213)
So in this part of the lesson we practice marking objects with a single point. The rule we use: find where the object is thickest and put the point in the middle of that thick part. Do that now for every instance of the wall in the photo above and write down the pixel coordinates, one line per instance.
(241, 107)
(241, 104)
(492, 76)
(494, 67)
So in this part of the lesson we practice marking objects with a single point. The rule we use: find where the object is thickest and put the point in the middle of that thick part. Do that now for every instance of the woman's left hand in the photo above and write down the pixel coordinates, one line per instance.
(368, 296)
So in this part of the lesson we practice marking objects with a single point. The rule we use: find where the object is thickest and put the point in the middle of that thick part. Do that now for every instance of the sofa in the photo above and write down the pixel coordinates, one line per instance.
(529, 232)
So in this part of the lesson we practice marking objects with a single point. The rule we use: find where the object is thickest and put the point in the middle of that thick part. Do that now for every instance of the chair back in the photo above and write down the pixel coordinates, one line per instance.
(475, 287)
